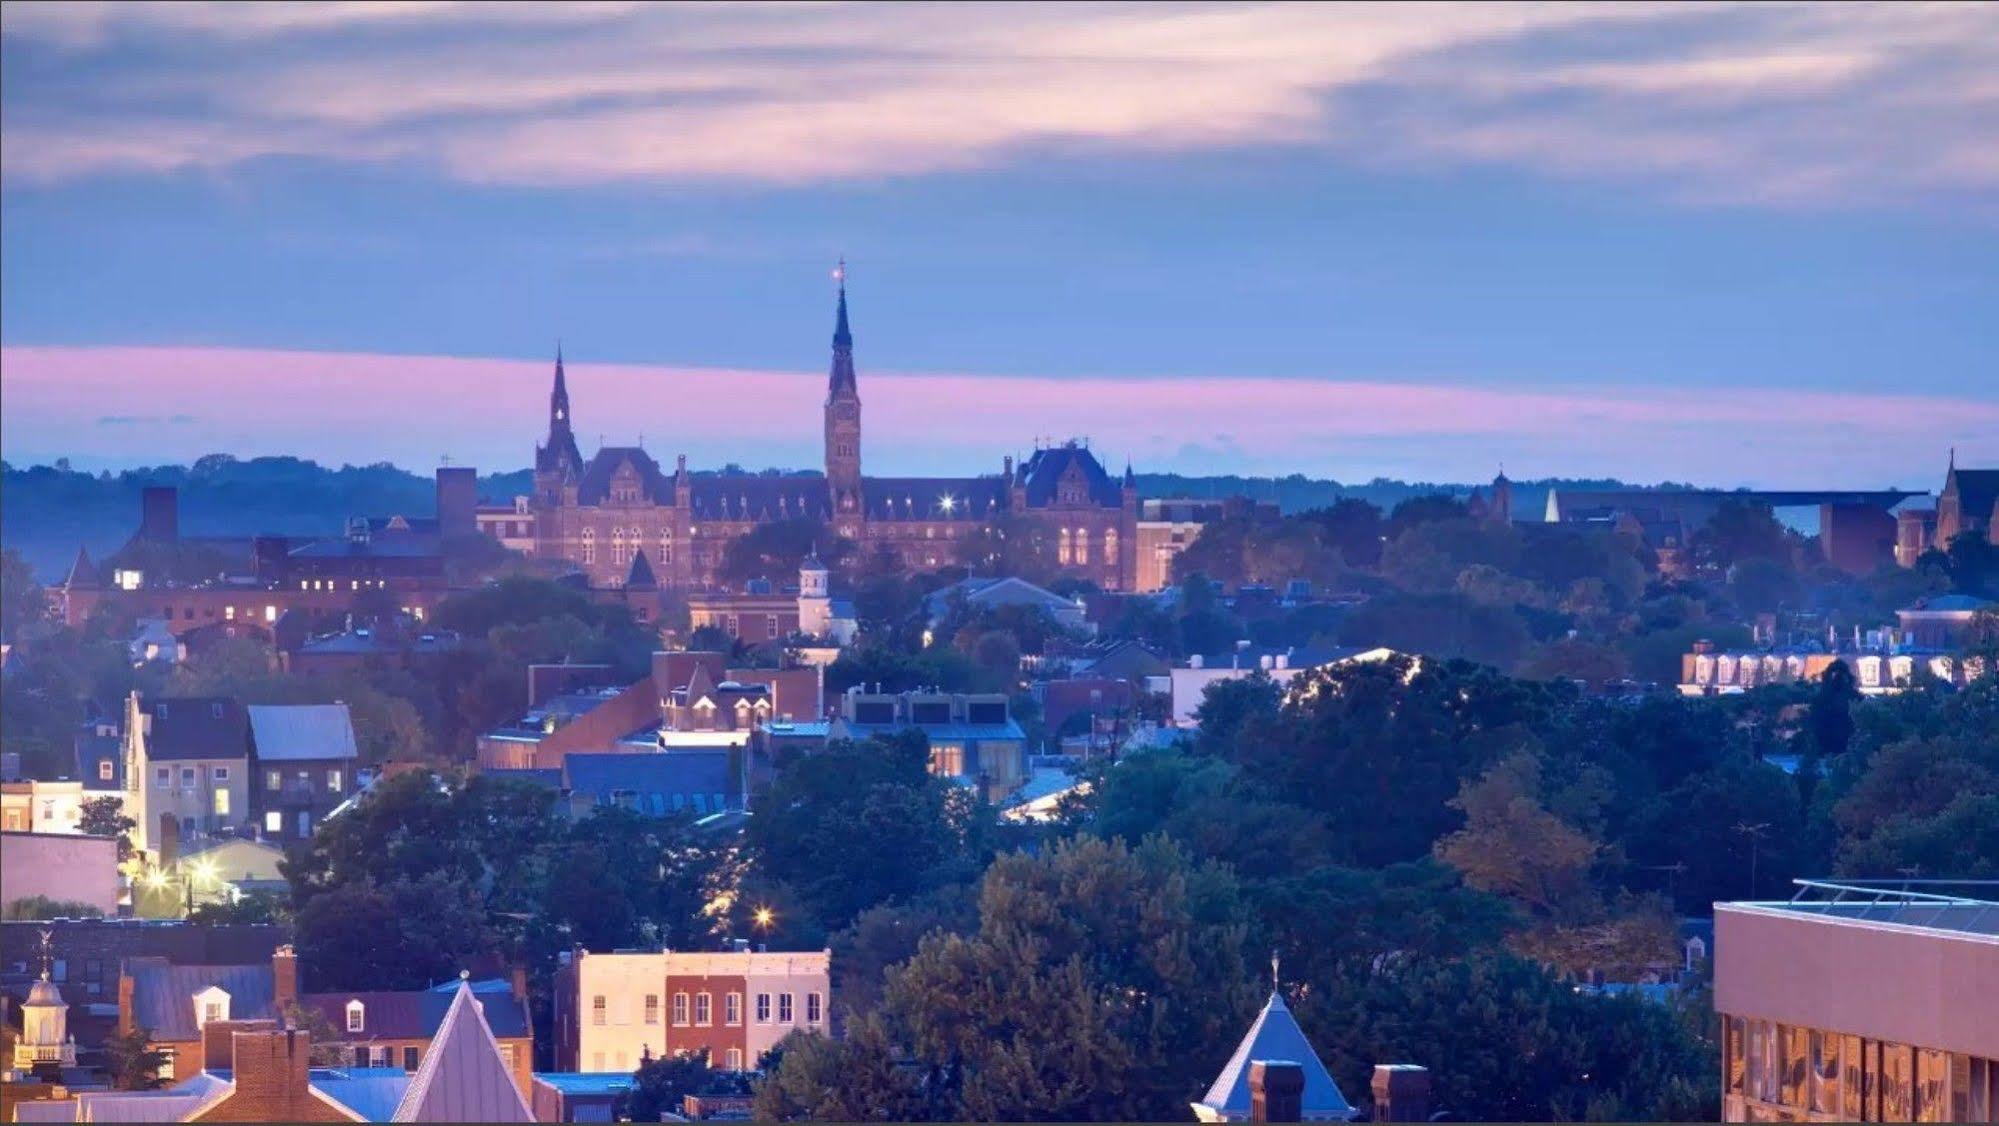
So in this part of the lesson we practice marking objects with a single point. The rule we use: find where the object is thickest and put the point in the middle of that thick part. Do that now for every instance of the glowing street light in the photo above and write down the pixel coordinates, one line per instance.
(948, 503)
(764, 917)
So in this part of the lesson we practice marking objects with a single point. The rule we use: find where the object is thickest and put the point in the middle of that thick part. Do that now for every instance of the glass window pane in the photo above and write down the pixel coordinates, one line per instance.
(1735, 1061)
(1825, 1072)
(1795, 1065)
(1898, 1081)
(1852, 1106)
(1932, 1085)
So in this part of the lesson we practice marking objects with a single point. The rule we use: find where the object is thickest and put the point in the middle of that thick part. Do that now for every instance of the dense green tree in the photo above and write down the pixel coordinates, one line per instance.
(776, 550)
(1439, 625)
(409, 934)
(861, 824)
(857, 1078)
(1507, 1043)
(1104, 983)
(131, 1063)
(660, 1084)
(1352, 526)
(22, 599)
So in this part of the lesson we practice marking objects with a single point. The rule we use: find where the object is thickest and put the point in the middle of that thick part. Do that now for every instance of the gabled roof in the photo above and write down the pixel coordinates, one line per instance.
(1274, 1036)
(413, 1014)
(1977, 491)
(595, 485)
(301, 732)
(463, 1077)
(82, 573)
(196, 727)
(163, 995)
(1042, 474)
(640, 577)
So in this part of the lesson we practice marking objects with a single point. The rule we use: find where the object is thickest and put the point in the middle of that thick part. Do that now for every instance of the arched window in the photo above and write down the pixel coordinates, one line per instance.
(666, 545)
(621, 552)
(357, 1017)
(589, 546)
(1110, 546)
(1062, 551)
(1082, 546)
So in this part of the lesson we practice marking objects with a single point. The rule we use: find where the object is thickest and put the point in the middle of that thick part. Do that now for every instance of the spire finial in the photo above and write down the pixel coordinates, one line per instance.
(1275, 985)
(1953, 457)
(843, 337)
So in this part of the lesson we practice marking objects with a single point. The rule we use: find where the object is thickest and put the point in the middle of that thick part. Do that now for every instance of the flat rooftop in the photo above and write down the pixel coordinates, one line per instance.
(1964, 906)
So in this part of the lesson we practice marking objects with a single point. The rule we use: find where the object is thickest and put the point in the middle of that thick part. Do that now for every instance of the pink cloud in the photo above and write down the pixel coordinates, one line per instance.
(138, 405)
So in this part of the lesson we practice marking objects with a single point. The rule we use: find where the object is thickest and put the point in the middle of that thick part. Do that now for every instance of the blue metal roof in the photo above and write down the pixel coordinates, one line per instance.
(587, 1082)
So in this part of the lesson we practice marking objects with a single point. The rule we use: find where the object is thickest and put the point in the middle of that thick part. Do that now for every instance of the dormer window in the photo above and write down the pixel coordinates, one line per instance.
(211, 1004)
(357, 1017)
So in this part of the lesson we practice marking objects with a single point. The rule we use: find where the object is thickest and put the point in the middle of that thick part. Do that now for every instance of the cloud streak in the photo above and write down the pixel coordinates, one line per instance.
(1809, 104)
(411, 409)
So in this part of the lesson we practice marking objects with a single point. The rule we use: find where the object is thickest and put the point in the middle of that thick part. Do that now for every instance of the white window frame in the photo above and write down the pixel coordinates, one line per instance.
(357, 1017)
(763, 1008)
(784, 1008)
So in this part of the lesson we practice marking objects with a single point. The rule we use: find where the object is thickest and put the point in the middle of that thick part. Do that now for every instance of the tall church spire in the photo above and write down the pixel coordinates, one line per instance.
(560, 453)
(842, 375)
(843, 416)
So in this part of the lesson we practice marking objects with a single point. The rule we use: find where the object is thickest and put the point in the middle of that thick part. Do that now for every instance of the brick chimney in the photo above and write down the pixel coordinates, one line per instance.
(272, 1078)
(1401, 1093)
(1276, 1091)
(520, 980)
(284, 979)
(218, 1040)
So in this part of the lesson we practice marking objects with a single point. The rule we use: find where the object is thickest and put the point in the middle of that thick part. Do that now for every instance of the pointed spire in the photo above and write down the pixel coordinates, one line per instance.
(463, 1077)
(843, 337)
(82, 573)
(1276, 980)
(841, 379)
(1130, 478)
(641, 576)
(561, 386)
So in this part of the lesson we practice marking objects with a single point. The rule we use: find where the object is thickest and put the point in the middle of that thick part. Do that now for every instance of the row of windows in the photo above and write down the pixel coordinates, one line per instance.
(698, 1009)
(1794, 1071)
(1073, 546)
(330, 584)
(163, 776)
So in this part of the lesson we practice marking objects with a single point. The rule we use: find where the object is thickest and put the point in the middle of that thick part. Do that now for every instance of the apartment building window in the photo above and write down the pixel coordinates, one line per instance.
(652, 1008)
(187, 775)
(763, 1008)
(333, 781)
(411, 1057)
(274, 822)
(105, 768)
(222, 774)
(163, 777)
(812, 1012)
(598, 1011)
(770, 629)
(680, 1010)
(732, 1009)
(273, 780)
(735, 1058)
(784, 1008)
(221, 803)
(704, 1014)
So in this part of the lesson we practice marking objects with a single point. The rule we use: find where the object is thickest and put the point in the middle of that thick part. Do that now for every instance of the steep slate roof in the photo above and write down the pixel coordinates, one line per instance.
(463, 1077)
(658, 782)
(371, 1093)
(82, 573)
(163, 994)
(640, 577)
(412, 1014)
(1042, 473)
(1977, 491)
(595, 485)
(302, 732)
(197, 727)
(737, 497)
(922, 498)
(1275, 1035)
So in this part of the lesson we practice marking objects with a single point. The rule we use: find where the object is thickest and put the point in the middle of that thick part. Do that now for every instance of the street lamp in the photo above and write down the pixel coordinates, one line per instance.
(763, 917)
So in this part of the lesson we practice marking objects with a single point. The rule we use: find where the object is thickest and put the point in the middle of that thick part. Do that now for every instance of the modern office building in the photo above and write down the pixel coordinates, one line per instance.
(1861, 1002)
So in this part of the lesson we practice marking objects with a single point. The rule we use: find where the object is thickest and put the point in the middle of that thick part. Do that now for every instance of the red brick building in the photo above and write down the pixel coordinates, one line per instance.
(603, 512)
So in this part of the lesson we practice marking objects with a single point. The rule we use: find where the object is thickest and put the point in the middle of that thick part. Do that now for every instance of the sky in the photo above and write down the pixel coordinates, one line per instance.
(1692, 242)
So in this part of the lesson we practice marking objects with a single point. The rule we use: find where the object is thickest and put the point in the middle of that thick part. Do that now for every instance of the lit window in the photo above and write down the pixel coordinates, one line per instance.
(356, 1017)
(270, 613)
(274, 822)
(333, 780)
(273, 780)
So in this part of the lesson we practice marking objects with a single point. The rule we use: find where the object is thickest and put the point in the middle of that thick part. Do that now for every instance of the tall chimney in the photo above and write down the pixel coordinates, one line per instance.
(1401, 1093)
(1276, 1091)
(273, 1071)
(284, 980)
(218, 1041)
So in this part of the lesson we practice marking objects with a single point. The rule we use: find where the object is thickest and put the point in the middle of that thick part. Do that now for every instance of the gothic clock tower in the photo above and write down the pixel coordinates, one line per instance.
(843, 423)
